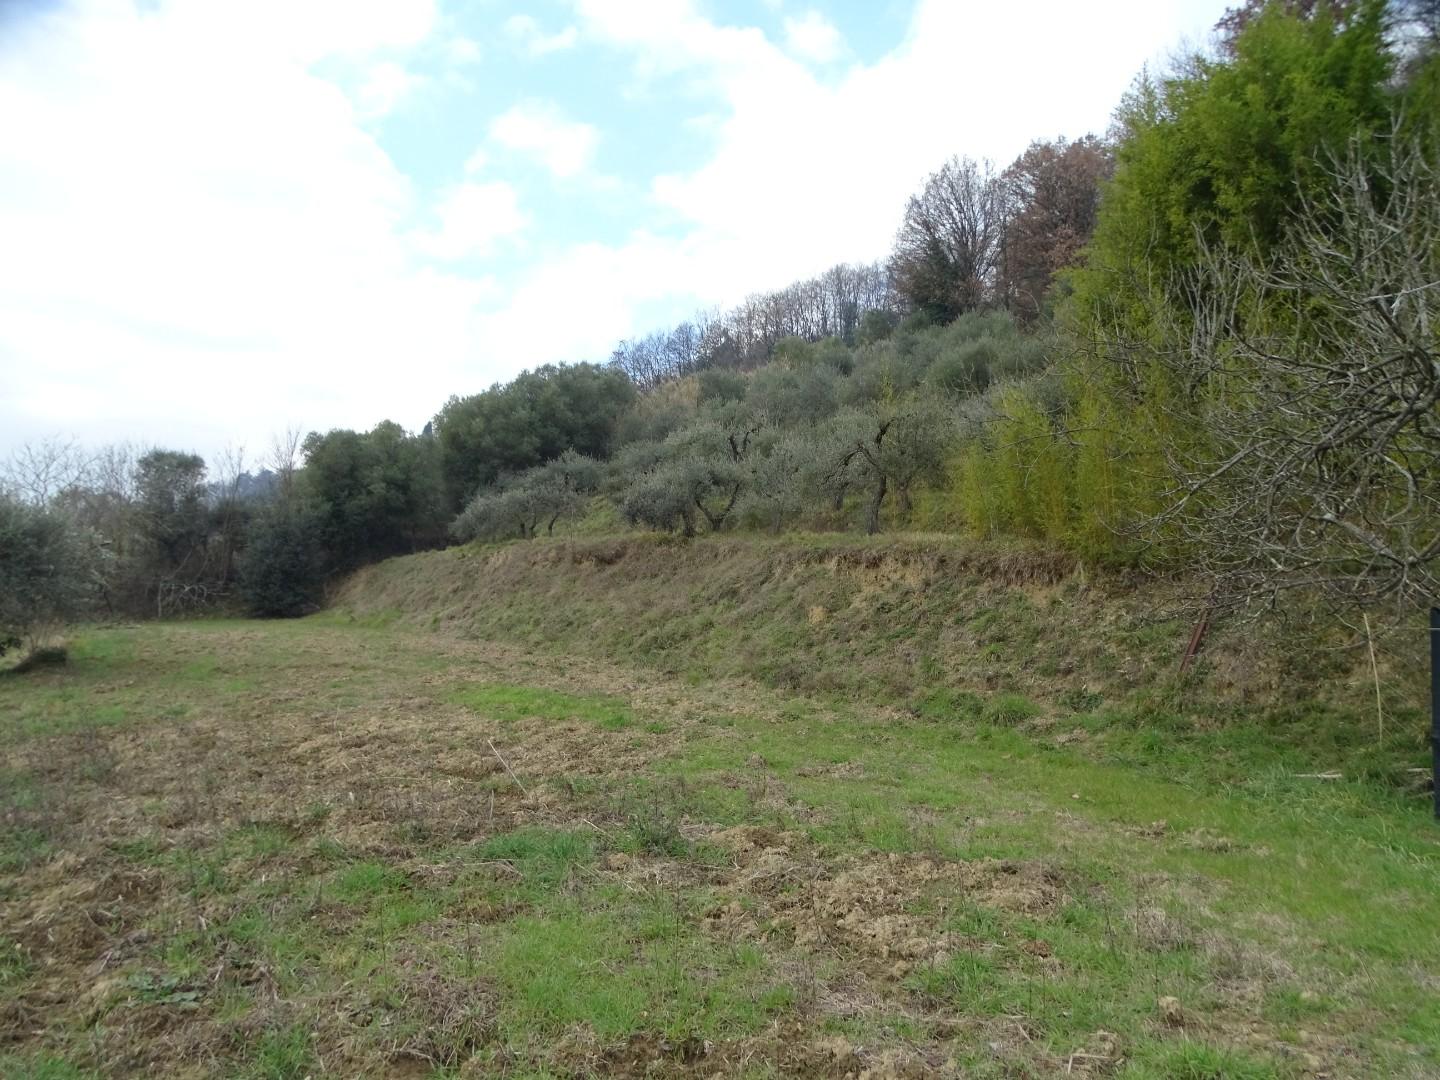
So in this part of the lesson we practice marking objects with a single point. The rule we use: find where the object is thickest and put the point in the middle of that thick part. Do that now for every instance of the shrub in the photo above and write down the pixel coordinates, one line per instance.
(282, 574)
(50, 572)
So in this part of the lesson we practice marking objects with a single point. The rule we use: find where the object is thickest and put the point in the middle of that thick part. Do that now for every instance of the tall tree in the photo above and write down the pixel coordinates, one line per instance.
(170, 488)
(1052, 192)
(524, 423)
(948, 246)
(1217, 152)
(375, 493)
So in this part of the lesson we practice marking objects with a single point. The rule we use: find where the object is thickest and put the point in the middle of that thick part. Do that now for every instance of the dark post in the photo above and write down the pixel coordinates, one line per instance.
(1435, 705)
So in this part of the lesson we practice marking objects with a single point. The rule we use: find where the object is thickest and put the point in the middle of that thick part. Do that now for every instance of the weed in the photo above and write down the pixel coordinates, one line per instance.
(283, 1054)
(1190, 1060)
(1009, 709)
(40, 1067)
(151, 989)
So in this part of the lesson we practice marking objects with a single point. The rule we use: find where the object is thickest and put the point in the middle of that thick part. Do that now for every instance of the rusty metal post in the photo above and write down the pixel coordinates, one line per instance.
(1435, 706)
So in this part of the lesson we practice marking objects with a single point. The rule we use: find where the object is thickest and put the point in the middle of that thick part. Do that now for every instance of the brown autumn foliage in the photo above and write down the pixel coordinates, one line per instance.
(1053, 194)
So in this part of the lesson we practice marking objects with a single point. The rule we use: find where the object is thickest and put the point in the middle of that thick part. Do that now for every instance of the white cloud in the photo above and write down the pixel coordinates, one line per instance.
(806, 173)
(306, 31)
(473, 217)
(541, 131)
(463, 51)
(188, 264)
(387, 84)
(813, 37)
(477, 162)
(527, 34)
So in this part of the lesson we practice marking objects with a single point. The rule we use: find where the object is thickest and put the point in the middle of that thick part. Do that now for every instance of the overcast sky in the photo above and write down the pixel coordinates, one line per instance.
(219, 219)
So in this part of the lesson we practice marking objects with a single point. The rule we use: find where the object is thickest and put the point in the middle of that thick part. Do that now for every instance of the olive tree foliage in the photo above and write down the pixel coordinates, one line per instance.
(50, 571)
(539, 497)
(787, 480)
(887, 449)
(697, 474)
(802, 388)
(1317, 373)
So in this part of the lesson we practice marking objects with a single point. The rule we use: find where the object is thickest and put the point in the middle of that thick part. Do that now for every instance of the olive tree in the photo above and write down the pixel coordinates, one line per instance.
(698, 472)
(784, 482)
(884, 449)
(542, 496)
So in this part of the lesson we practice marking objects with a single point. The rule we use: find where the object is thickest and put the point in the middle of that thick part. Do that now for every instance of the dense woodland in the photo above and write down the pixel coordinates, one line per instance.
(1208, 338)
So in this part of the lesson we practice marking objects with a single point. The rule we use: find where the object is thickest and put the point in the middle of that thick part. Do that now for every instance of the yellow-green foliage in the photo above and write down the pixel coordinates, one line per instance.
(1097, 473)
(973, 492)
(932, 510)
(1016, 479)
(1085, 479)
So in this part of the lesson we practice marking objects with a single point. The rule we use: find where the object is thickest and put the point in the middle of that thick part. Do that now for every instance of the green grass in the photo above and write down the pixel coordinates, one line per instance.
(629, 966)
(527, 702)
(283, 1054)
(41, 1066)
(367, 879)
(304, 882)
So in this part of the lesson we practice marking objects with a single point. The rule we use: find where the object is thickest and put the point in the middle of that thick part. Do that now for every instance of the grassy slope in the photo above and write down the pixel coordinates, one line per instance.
(940, 628)
(294, 849)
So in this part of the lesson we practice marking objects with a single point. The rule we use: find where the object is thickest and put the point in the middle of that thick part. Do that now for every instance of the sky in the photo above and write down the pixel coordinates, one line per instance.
(220, 219)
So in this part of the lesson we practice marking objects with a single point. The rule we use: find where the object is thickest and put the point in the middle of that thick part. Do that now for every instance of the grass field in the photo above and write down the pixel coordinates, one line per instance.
(340, 848)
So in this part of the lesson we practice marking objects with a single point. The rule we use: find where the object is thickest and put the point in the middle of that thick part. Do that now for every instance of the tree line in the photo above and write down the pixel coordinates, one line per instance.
(1207, 338)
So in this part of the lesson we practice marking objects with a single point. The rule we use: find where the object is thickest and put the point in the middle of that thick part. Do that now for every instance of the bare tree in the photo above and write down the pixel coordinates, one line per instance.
(230, 471)
(948, 246)
(38, 472)
(284, 460)
(1317, 382)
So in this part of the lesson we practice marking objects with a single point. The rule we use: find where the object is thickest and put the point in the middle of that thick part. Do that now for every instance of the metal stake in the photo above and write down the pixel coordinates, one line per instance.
(1435, 705)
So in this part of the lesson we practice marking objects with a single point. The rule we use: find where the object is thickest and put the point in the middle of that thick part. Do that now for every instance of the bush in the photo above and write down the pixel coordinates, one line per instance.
(282, 574)
(50, 572)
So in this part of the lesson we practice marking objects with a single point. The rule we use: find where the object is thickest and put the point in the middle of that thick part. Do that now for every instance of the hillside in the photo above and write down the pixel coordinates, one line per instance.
(937, 627)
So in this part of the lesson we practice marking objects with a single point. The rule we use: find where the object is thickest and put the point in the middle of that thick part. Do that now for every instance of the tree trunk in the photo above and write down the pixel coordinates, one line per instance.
(872, 512)
(717, 520)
